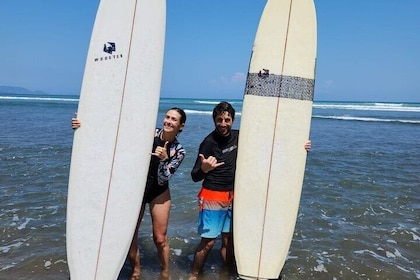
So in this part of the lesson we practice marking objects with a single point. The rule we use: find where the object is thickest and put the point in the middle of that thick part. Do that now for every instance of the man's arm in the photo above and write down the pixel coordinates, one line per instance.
(197, 174)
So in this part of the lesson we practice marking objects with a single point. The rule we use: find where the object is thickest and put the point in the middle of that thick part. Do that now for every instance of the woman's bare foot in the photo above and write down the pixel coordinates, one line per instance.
(135, 265)
(134, 277)
(193, 277)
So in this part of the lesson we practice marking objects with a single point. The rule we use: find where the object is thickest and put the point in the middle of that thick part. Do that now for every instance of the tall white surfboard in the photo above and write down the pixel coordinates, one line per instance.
(275, 124)
(118, 108)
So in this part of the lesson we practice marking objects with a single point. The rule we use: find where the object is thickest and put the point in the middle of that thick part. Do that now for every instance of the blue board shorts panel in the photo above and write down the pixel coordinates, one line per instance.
(215, 213)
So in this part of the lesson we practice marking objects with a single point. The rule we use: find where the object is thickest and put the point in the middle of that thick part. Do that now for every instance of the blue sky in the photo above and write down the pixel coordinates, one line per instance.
(368, 50)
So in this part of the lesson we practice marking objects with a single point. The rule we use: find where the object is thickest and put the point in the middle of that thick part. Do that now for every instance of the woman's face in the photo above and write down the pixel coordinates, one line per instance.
(172, 122)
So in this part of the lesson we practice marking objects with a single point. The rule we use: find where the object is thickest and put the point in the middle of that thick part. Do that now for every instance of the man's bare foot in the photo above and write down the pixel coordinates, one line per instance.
(164, 275)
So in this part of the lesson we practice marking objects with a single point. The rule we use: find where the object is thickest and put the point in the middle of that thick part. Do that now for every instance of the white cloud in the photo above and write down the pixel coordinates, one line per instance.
(235, 80)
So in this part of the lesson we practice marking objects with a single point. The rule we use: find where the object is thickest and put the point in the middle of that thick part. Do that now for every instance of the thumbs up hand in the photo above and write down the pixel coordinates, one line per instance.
(161, 152)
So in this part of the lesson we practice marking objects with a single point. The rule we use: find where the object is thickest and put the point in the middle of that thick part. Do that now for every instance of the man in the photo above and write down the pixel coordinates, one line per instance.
(216, 165)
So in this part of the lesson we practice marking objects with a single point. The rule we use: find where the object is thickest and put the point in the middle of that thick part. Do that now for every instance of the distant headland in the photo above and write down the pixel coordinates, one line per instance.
(19, 90)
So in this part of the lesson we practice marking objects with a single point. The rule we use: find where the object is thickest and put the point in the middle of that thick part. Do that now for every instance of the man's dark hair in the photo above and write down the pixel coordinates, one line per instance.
(223, 107)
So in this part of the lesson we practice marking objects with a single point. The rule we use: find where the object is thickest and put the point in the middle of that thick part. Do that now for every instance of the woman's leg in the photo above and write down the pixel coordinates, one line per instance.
(159, 209)
(134, 253)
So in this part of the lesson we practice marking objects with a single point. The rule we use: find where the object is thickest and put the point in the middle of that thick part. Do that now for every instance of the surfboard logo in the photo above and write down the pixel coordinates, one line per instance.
(265, 73)
(109, 47)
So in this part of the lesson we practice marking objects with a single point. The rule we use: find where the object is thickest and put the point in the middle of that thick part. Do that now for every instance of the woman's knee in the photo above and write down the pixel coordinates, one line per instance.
(160, 239)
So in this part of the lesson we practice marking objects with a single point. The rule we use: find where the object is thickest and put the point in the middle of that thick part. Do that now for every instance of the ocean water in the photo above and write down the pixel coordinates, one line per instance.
(359, 216)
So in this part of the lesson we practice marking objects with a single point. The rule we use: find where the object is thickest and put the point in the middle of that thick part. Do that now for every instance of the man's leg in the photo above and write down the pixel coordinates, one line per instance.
(227, 248)
(200, 256)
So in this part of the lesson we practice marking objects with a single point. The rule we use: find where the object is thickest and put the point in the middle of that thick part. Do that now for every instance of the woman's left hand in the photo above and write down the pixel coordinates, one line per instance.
(160, 152)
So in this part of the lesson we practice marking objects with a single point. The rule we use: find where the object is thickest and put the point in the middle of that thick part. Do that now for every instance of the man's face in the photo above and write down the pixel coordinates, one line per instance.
(223, 123)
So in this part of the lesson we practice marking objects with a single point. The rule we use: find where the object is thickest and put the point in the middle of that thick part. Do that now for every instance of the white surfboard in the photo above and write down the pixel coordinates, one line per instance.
(275, 123)
(118, 108)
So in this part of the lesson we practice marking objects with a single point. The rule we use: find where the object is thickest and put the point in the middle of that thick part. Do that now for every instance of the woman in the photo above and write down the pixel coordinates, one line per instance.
(167, 155)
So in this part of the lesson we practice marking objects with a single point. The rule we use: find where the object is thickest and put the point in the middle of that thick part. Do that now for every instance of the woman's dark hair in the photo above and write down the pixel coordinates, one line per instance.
(182, 113)
(223, 107)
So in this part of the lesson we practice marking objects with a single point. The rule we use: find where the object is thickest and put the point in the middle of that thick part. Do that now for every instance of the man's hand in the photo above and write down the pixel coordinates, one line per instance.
(75, 122)
(308, 146)
(210, 163)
